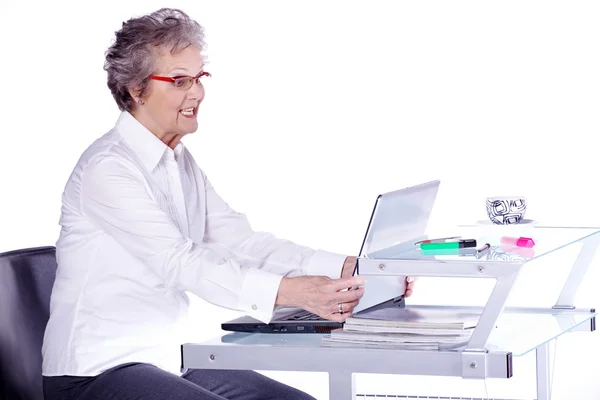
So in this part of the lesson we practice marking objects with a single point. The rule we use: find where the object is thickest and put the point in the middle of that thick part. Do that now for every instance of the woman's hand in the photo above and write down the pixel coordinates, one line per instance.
(321, 295)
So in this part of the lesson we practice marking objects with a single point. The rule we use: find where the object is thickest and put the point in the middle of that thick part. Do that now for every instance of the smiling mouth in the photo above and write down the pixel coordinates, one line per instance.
(189, 112)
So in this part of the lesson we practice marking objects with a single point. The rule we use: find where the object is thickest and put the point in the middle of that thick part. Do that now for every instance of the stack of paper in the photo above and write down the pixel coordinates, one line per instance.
(423, 328)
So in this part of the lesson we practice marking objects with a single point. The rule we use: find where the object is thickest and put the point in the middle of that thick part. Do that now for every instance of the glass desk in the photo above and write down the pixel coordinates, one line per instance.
(501, 333)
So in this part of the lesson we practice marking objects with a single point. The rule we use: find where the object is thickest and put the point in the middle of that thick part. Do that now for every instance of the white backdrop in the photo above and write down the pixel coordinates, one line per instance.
(315, 107)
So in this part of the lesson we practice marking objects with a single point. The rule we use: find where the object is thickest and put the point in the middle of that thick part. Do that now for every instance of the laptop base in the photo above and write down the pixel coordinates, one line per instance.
(290, 325)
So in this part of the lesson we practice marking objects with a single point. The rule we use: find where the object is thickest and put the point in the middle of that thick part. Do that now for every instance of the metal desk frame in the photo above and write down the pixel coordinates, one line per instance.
(475, 361)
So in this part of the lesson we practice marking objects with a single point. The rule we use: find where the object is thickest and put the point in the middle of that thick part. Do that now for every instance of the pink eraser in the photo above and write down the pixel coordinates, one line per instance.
(520, 242)
(525, 242)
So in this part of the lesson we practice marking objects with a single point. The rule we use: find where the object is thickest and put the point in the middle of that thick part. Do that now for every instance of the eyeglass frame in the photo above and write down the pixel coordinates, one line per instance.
(190, 79)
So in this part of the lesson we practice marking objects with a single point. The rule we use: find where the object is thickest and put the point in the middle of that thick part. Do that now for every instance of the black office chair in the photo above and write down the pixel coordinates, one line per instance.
(26, 279)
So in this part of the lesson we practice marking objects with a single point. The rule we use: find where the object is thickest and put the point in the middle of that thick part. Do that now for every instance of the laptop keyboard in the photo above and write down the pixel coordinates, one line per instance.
(304, 316)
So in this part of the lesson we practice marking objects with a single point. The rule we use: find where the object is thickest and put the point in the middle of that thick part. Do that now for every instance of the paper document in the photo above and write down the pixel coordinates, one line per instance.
(415, 318)
(410, 328)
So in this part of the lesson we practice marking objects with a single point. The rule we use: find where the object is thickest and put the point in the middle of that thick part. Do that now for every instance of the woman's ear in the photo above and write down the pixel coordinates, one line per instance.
(136, 96)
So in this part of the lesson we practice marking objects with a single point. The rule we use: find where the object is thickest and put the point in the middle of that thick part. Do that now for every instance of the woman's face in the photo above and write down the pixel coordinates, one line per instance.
(169, 110)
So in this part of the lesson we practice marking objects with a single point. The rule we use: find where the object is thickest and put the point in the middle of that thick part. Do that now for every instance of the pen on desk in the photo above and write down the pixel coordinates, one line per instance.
(482, 250)
(439, 240)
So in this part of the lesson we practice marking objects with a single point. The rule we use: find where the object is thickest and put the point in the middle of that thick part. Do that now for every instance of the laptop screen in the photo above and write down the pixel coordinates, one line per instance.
(399, 217)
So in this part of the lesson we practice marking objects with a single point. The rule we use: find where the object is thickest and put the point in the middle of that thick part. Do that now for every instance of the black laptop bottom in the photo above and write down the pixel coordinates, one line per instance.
(296, 321)
(299, 321)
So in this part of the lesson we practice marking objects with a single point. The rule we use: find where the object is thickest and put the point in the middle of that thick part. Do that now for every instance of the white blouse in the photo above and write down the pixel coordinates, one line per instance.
(141, 225)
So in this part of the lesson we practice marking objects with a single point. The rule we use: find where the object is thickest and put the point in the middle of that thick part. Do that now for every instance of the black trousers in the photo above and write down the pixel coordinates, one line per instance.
(138, 381)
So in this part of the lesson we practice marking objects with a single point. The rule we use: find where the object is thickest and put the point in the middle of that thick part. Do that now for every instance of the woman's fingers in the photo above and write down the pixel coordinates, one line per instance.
(349, 295)
(345, 283)
(330, 298)
(410, 283)
(346, 307)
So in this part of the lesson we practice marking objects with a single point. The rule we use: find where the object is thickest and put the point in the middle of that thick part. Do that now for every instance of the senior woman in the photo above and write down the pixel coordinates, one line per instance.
(141, 225)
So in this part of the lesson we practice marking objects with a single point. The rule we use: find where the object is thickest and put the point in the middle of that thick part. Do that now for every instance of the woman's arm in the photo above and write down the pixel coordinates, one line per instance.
(114, 198)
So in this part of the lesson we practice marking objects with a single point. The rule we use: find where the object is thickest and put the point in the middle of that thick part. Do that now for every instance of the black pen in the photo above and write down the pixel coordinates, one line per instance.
(440, 240)
(482, 250)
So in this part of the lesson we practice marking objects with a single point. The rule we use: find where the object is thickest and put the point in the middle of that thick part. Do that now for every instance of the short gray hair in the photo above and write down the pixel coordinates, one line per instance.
(132, 56)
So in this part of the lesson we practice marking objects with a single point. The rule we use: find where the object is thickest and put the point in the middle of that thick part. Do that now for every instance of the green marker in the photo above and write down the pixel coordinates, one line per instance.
(459, 244)
(450, 252)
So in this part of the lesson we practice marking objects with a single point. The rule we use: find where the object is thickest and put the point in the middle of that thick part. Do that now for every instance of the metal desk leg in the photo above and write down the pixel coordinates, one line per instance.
(578, 271)
(341, 385)
(542, 362)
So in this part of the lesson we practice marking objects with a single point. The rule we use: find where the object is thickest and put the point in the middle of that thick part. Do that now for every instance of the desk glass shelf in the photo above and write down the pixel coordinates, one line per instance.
(547, 240)
(518, 330)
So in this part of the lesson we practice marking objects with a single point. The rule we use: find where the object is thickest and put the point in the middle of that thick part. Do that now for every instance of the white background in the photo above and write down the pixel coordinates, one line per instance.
(315, 107)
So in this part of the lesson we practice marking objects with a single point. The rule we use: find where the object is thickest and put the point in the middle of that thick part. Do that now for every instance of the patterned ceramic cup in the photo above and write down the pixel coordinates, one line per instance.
(506, 210)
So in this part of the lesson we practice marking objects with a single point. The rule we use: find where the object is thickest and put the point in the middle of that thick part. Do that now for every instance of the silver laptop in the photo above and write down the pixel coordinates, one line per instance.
(397, 219)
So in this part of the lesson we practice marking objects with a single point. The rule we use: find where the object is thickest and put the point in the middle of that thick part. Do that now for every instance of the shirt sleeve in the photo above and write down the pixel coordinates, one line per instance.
(114, 197)
(262, 251)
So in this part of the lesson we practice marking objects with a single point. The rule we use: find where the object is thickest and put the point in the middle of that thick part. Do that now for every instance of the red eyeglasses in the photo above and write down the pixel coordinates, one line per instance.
(182, 82)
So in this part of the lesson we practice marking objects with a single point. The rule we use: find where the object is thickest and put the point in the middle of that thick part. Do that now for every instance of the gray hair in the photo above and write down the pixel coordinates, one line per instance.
(132, 56)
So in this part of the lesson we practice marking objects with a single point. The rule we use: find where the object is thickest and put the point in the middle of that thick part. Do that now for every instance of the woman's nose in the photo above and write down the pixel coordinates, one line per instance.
(196, 91)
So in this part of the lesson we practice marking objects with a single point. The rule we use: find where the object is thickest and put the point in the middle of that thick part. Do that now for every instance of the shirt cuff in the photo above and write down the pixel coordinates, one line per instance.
(259, 292)
(326, 263)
